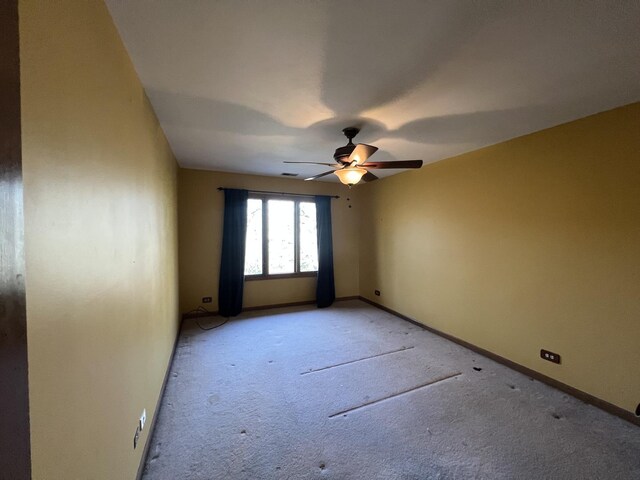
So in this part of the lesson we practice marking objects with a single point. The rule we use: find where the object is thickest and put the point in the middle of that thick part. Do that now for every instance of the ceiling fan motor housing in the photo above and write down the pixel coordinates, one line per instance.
(341, 155)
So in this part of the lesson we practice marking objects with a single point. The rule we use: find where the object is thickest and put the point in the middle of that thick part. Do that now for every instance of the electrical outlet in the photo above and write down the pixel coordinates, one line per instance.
(206, 299)
(143, 418)
(377, 292)
(136, 437)
(549, 356)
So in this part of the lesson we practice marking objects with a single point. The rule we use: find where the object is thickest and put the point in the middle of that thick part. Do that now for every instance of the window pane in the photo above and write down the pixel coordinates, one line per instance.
(308, 238)
(281, 234)
(253, 250)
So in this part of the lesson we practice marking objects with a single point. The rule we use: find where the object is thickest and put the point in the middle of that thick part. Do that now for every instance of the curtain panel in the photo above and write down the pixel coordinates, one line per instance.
(231, 285)
(325, 289)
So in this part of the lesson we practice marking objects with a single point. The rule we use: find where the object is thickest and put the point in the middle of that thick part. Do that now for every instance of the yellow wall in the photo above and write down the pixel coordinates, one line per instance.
(528, 244)
(201, 208)
(101, 243)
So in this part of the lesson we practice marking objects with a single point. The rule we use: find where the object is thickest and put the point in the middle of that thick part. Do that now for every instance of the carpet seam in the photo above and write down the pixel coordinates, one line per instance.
(389, 397)
(358, 360)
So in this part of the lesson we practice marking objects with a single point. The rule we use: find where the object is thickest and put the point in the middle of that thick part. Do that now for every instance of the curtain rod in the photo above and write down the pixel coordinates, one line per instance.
(283, 193)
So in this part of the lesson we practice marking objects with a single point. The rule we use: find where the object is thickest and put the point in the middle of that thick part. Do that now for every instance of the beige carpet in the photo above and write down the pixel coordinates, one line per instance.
(351, 392)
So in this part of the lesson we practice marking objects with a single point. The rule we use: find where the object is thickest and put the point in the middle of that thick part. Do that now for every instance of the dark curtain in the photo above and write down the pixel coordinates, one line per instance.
(234, 234)
(325, 290)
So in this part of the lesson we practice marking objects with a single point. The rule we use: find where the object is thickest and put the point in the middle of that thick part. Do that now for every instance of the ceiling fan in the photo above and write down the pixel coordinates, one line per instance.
(352, 163)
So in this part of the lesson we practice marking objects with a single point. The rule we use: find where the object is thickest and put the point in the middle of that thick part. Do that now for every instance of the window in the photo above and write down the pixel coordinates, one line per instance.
(281, 238)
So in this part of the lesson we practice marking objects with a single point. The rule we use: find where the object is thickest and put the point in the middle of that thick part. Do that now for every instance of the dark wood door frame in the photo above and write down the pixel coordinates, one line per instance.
(15, 450)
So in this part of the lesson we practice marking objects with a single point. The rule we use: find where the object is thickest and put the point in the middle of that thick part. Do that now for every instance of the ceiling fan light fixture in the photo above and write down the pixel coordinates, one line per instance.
(350, 157)
(350, 175)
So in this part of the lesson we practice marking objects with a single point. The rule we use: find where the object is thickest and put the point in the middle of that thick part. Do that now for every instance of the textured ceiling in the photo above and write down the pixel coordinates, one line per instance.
(241, 85)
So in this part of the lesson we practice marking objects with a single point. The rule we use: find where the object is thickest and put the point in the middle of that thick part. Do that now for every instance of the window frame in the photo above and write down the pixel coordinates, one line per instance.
(265, 197)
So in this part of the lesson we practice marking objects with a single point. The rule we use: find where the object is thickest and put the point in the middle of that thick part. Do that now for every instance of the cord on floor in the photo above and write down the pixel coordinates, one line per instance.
(204, 310)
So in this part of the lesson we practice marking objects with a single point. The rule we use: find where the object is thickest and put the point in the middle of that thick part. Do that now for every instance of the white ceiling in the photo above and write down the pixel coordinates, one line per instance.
(241, 85)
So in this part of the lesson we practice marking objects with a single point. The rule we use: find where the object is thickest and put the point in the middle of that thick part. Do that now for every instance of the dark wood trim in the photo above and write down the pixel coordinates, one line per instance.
(344, 299)
(15, 448)
(279, 305)
(579, 394)
(265, 307)
(296, 237)
(152, 426)
(265, 235)
(280, 276)
(285, 194)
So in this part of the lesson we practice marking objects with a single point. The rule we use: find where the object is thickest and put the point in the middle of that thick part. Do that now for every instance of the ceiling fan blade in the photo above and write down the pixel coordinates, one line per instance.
(369, 177)
(361, 153)
(319, 175)
(398, 164)
(315, 163)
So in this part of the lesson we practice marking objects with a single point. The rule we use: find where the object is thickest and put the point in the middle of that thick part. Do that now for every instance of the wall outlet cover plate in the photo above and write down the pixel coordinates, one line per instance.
(550, 356)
